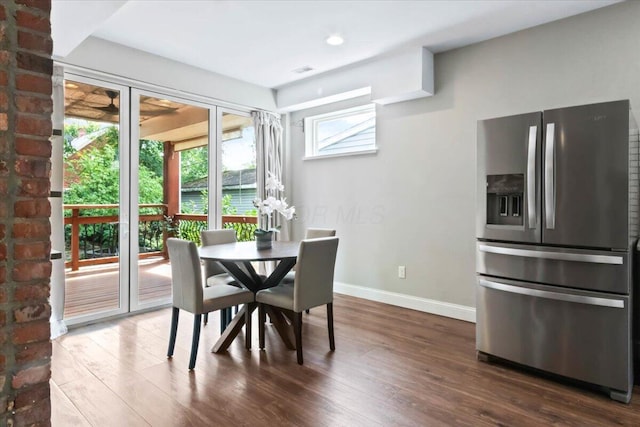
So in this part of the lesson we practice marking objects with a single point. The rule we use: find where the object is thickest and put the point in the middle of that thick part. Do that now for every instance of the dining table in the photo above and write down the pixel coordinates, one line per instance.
(237, 259)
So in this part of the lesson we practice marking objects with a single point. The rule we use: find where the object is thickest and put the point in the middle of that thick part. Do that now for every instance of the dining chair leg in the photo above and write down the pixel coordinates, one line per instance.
(247, 324)
(174, 330)
(297, 329)
(195, 340)
(332, 341)
(262, 318)
(205, 319)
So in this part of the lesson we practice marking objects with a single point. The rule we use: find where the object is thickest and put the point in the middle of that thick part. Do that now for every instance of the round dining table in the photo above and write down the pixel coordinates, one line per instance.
(237, 259)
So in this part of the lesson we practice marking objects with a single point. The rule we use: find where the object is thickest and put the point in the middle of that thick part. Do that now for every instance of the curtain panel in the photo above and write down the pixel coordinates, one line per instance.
(269, 149)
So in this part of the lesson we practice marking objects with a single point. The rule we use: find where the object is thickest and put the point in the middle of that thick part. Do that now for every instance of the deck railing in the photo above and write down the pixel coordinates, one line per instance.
(92, 232)
(188, 226)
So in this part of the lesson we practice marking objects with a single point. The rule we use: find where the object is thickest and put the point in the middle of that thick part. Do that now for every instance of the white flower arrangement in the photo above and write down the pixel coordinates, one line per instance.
(271, 204)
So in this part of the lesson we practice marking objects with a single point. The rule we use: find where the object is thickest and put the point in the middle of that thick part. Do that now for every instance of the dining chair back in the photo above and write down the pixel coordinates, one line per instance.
(313, 283)
(315, 233)
(215, 237)
(214, 273)
(186, 277)
(311, 233)
(189, 294)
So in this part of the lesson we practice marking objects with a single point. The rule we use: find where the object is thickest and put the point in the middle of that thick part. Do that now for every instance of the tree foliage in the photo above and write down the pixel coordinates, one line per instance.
(194, 164)
(152, 156)
(93, 173)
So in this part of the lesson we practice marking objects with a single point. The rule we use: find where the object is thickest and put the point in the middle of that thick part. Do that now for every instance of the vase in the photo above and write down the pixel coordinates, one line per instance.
(264, 239)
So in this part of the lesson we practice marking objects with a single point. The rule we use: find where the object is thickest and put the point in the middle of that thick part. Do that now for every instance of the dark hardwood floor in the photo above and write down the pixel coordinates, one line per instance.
(391, 367)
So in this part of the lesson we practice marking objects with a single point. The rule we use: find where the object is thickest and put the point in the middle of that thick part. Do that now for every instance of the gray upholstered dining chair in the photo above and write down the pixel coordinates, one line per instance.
(191, 296)
(311, 233)
(312, 287)
(214, 273)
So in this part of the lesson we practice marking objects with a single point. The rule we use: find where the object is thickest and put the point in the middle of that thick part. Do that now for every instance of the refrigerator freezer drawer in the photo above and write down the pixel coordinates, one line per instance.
(581, 335)
(603, 271)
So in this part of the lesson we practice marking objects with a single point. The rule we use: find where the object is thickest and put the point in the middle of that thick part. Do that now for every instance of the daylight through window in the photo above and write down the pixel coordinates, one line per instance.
(349, 131)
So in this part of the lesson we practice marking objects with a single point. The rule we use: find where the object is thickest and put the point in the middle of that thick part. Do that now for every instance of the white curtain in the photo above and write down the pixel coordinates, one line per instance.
(269, 147)
(56, 299)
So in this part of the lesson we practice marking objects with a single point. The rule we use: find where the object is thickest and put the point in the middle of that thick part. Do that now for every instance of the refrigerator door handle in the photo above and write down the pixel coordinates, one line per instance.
(531, 176)
(579, 299)
(549, 177)
(560, 256)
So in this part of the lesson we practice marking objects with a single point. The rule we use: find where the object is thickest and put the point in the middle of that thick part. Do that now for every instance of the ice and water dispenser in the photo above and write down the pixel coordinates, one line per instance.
(505, 195)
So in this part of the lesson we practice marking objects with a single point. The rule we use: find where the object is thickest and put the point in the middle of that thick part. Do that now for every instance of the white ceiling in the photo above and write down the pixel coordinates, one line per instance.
(262, 42)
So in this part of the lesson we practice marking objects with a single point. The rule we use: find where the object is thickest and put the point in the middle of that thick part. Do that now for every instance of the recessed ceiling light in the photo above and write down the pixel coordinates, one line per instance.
(304, 69)
(71, 85)
(335, 40)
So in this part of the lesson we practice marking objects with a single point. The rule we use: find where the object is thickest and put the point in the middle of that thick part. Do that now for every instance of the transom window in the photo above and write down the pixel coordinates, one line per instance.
(350, 131)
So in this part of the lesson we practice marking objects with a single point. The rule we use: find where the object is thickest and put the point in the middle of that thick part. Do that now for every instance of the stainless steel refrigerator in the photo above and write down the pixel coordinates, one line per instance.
(557, 224)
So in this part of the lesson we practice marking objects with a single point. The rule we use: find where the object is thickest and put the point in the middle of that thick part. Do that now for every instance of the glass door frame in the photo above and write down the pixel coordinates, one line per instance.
(124, 200)
(128, 282)
(136, 93)
(216, 199)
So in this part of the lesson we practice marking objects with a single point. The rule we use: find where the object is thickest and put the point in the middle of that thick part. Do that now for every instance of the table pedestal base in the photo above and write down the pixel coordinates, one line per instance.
(278, 320)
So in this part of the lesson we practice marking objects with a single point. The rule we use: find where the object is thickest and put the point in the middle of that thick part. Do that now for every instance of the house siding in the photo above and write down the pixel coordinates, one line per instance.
(241, 199)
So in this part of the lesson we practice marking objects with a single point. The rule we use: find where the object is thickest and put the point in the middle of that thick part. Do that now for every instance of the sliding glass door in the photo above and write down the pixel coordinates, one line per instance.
(170, 183)
(237, 173)
(96, 200)
(141, 166)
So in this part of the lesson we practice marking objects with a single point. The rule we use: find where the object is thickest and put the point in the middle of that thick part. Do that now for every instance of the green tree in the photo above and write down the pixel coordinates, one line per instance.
(95, 174)
(152, 156)
(194, 164)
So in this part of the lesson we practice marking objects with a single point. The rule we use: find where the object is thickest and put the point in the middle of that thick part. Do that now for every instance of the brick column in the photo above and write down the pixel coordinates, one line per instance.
(25, 268)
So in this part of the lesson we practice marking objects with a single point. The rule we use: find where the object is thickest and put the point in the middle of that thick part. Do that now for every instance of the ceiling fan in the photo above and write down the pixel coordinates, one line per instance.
(113, 109)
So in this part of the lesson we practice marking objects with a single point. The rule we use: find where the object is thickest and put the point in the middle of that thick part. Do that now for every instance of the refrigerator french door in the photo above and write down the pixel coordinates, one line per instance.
(586, 176)
(556, 224)
(567, 185)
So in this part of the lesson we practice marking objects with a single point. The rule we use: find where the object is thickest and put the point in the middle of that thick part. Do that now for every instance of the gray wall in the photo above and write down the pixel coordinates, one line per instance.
(413, 203)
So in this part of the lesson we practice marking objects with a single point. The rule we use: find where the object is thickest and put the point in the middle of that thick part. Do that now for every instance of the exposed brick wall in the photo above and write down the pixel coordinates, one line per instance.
(25, 269)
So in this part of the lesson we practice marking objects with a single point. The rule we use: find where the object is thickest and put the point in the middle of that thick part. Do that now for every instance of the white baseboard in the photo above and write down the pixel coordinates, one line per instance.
(455, 311)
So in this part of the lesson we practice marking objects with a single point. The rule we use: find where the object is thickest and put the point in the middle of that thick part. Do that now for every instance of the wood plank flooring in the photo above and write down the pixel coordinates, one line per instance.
(392, 367)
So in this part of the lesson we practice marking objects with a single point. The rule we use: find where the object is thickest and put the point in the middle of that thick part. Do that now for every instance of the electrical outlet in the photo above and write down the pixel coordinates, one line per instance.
(402, 271)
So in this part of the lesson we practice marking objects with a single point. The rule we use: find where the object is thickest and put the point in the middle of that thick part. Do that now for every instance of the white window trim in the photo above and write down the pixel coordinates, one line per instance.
(351, 153)
(310, 139)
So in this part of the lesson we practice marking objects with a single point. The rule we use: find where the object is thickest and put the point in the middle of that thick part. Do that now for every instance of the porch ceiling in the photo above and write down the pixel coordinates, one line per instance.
(160, 119)
(85, 101)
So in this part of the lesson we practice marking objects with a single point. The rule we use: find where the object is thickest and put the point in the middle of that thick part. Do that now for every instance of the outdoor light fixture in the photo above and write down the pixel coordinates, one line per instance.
(335, 40)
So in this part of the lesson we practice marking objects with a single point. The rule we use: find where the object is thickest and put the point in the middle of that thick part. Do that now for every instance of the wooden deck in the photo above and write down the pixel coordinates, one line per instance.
(94, 289)
(392, 367)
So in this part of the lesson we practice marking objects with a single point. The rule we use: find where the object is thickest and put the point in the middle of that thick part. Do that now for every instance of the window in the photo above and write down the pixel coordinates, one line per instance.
(350, 131)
